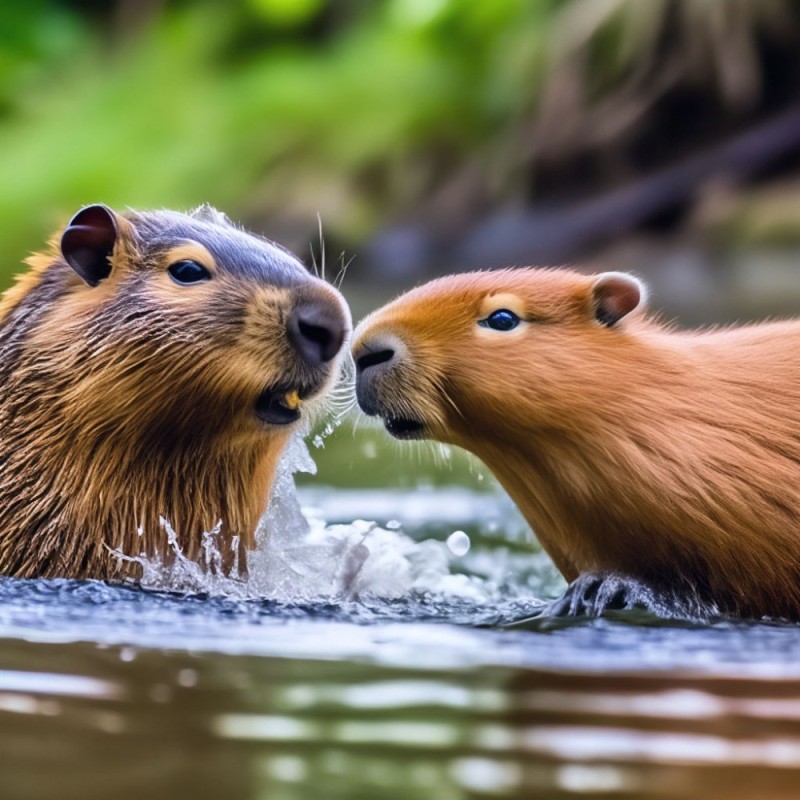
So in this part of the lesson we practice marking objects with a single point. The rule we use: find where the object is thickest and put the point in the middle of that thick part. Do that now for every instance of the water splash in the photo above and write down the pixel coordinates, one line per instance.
(458, 543)
(300, 558)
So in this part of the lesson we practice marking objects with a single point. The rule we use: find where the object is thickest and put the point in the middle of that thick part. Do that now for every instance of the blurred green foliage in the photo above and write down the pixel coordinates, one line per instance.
(361, 111)
(267, 108)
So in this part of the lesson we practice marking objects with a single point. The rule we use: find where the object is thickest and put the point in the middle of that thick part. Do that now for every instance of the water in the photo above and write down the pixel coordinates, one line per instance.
(369, 660)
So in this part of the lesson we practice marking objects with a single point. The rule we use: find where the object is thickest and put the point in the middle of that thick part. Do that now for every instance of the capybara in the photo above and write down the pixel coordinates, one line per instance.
(654, 465)
(152, 368)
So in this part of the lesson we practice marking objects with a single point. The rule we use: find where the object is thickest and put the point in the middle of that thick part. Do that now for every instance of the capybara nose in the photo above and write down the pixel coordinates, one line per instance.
(317, 330)
(366, 356)
(374, 357)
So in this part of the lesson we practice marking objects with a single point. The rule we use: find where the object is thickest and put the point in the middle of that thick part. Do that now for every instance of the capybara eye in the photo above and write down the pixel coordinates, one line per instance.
(184, 272)
(501, 320)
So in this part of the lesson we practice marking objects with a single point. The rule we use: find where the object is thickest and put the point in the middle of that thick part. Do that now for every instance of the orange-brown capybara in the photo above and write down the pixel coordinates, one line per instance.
(654, 465)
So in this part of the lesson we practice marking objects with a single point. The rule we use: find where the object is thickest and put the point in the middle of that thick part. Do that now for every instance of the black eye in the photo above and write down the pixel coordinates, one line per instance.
(501, 320)
(184, 272)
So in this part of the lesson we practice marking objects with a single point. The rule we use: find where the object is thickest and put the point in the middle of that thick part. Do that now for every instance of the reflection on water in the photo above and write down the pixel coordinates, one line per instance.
(119, 692)
(419, 672)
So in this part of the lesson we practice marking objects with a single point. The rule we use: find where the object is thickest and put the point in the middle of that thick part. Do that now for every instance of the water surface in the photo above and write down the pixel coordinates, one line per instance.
(364, 659)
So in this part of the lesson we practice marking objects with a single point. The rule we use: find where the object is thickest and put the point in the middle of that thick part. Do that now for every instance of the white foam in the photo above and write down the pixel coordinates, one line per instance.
(300, 558)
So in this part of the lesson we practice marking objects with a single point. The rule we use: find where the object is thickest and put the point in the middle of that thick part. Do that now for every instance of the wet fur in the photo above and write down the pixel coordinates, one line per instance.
(669, 457)
(132, 401)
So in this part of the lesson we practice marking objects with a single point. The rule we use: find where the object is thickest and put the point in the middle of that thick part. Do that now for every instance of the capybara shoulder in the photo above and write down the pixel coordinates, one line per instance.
(152, 368)
(632, 448)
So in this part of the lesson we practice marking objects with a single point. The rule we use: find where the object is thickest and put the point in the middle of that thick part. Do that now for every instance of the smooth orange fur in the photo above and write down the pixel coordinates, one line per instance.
(672, 457)
(133, 400)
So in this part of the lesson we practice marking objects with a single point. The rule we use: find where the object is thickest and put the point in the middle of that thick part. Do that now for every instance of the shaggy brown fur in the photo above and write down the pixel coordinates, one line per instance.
(134, 400)
(671, 457)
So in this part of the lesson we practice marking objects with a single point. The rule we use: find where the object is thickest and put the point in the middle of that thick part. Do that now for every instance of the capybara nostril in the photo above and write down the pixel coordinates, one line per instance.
(373, 358)
(317, 330)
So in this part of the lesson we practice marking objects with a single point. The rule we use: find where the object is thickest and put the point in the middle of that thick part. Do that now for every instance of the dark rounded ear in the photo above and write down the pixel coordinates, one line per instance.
(88, 241)
(615, 295)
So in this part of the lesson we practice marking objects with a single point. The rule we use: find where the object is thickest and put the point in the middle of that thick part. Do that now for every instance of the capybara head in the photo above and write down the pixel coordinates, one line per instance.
(153, 365)
(213, 326)
(505, 351)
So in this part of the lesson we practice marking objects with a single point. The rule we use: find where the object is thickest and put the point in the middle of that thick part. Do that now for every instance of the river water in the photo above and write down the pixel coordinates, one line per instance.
(366, 658)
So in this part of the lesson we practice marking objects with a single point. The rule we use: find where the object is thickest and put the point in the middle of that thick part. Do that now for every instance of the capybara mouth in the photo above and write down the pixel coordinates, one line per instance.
(403, 427)
(280, 405)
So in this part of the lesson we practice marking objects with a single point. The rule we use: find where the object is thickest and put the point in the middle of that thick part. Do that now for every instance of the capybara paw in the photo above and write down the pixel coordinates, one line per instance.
(594, 593)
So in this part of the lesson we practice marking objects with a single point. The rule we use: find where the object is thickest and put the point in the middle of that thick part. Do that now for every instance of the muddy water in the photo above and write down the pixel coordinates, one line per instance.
(369, 660)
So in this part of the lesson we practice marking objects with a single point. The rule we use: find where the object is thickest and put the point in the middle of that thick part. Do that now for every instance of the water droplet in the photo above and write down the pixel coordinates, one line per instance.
(458, 542)
(369, 450)
(187, 677)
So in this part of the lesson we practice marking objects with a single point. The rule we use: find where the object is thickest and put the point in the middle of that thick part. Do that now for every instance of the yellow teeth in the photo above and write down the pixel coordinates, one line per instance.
(291, 399)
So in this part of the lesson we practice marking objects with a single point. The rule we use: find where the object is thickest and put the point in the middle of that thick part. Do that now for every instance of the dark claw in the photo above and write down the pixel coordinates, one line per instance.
(595, 593)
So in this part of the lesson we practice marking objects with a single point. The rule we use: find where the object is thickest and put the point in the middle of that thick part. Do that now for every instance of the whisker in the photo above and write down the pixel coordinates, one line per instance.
(313, 258)
(359, 418)
(321, 244)
(450, 401)
(342, 413)
(339, 279)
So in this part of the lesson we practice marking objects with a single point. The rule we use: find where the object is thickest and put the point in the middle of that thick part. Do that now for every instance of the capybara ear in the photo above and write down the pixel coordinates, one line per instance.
(88, 241)
(615, 295)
